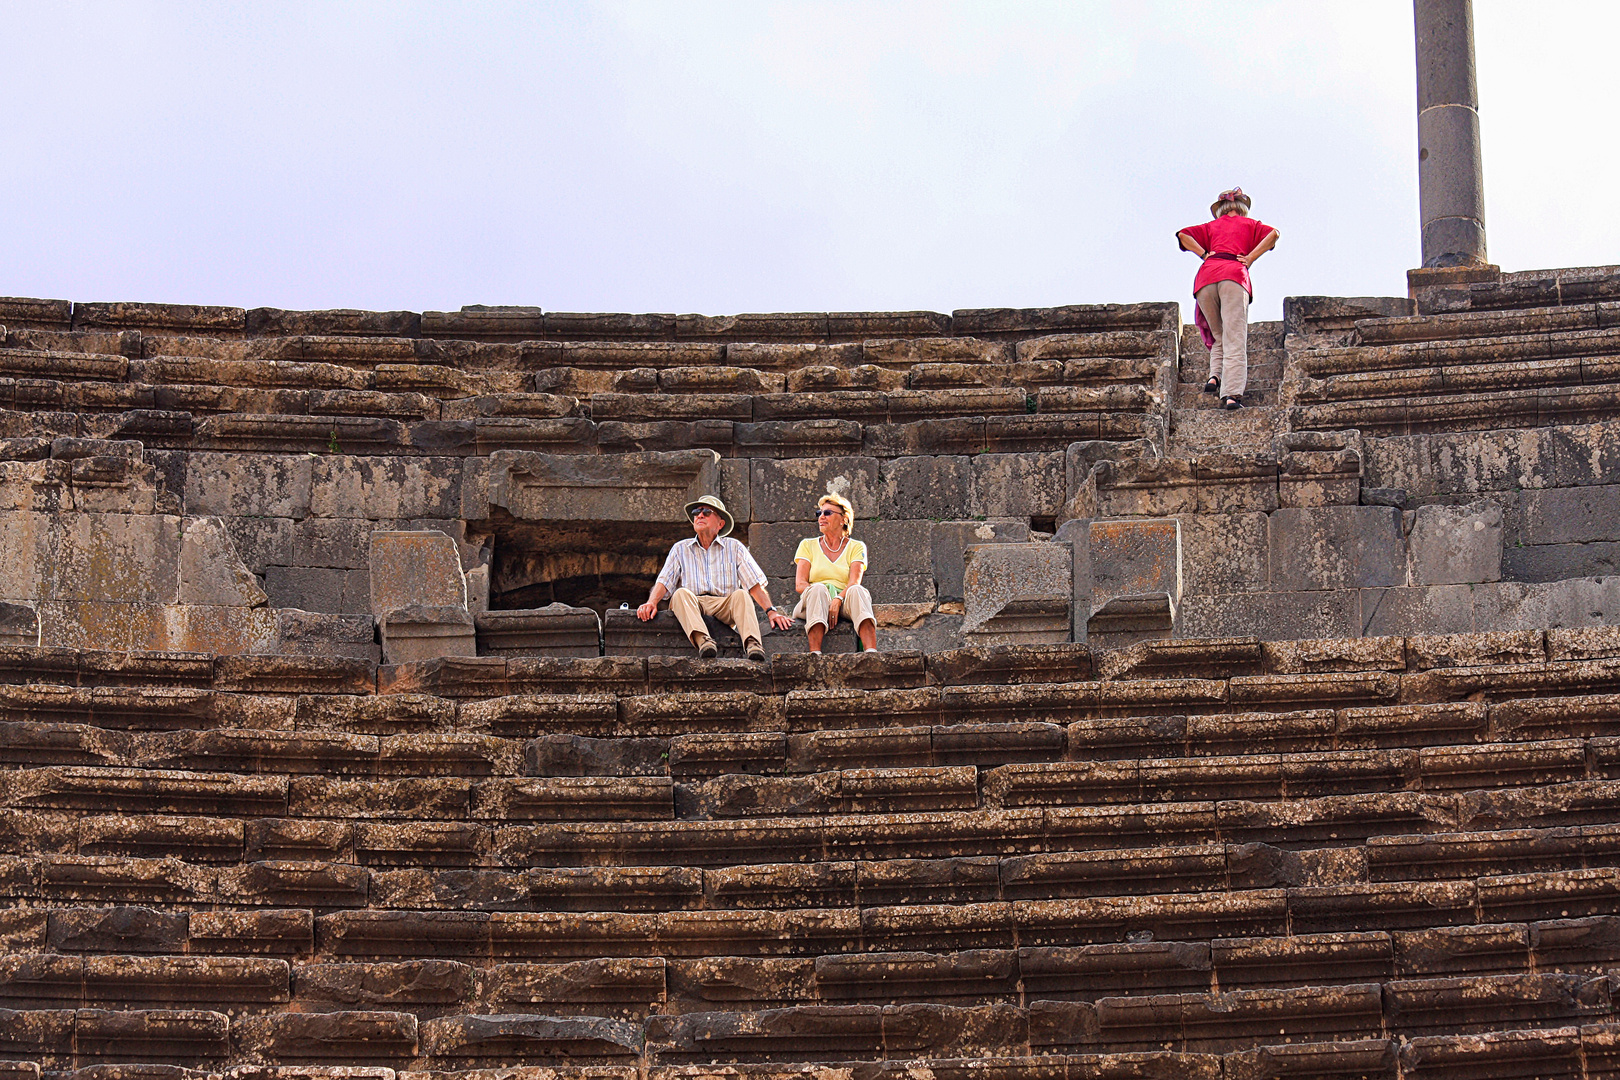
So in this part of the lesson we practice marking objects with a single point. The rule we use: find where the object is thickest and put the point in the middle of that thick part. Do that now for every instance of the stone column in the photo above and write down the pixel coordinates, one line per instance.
(1451, 187)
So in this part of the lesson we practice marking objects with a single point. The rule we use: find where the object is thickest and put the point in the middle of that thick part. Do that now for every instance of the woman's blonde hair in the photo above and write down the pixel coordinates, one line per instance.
(843, 508)
(1230, 201)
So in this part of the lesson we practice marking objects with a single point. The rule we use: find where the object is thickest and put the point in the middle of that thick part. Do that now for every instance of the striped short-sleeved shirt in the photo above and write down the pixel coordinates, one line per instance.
(722, 569)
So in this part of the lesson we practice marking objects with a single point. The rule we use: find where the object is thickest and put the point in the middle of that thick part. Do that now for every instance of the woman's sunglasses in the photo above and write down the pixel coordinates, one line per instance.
(827, 510)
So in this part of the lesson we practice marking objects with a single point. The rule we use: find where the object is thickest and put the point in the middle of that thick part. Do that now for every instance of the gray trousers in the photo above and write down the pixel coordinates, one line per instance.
(1225, 305)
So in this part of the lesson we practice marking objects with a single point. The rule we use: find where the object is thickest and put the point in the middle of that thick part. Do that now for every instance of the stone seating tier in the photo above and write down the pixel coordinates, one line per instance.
(1386, 857)
(481, 323)
(1378, 850)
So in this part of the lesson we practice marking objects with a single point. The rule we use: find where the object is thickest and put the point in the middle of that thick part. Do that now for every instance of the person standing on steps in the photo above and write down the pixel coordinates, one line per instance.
(1228, 246)
(712, 574)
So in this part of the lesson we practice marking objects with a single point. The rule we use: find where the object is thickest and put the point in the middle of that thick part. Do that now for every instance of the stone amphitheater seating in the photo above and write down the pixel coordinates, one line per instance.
(1293, 859)
(1283, 743)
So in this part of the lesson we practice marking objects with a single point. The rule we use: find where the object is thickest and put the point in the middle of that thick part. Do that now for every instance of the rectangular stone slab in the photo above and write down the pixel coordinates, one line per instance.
(650, 487)
(415, 569)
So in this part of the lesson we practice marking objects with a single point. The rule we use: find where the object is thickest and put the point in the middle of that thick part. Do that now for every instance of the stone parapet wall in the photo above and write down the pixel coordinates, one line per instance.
(1456, 481)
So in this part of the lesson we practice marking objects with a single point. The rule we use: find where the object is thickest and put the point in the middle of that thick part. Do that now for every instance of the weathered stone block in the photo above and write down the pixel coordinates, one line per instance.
(128, 558)
(219, 631)
(28, 546)
(1119, 621)
(310, 633)
(263, 542)
(385, 488)
(1584, 454)
(1571, 515)
(1335, 547)
(605, 487)
(1018, 593)
(1271, 616)
(410, 569)
(1451, 545)
(787, 490)
(19, 625)
(1555, 562)
(897, 589)
(1134, 558)
(1019, 485)
(210, 572)
(1223, 553)
(554, 630)
(1423, 609)
(248, 485)
(951, 539)
(423, 632)
(322, 589)
(339, 542)
(1576, 602)
(734, 489)
(927, 487)
(1455, 463)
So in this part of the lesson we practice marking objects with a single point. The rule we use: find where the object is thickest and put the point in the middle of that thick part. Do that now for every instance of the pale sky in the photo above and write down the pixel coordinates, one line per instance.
(765, 156)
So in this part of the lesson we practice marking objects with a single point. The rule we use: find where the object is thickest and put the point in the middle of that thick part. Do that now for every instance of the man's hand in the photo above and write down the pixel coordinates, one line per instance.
(780, 621)
(646, 611)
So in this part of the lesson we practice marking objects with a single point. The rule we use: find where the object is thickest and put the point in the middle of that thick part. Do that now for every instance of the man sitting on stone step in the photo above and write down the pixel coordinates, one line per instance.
(712, 574)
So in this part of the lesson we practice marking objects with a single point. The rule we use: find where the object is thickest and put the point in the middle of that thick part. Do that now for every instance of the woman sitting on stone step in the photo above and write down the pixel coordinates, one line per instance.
(830, 568)
(1228, 246)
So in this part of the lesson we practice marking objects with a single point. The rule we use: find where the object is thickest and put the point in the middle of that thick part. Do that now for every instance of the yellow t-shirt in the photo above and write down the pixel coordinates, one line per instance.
(833, 572)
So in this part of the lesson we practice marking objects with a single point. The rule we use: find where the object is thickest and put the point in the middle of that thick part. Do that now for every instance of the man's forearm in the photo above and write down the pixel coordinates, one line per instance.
(658, 593)
(761, 597)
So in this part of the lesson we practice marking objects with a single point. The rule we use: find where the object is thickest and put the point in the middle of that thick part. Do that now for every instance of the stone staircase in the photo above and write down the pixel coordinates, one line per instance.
(1199, 424)
(1390, 857)
(1530, 350)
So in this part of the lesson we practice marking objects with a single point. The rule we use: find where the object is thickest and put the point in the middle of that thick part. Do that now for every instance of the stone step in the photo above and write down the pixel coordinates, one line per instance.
(283, 422)
(1523, 378)
(1526, 289)
(521, 323)
(1593, 346)
(1514, 322)
(1562, 823)
(1192, 399)
(359, 734)
(1251, 428)
(1535, 407)
(775, 749)
(1231, 1034)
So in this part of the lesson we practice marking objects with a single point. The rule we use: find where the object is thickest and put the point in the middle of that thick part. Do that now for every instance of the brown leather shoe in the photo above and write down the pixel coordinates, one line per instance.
(706, 647)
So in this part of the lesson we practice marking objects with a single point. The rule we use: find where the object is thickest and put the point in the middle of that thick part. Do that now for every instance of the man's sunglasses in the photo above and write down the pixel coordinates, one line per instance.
(699, 513)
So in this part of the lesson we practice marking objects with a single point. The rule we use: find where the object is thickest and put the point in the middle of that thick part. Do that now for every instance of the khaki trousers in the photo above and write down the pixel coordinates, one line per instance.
(816, 600)
(1225, 305)
(736, 611)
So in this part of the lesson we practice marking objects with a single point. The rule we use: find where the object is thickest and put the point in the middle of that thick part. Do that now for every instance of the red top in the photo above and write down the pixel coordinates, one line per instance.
(1233, 234)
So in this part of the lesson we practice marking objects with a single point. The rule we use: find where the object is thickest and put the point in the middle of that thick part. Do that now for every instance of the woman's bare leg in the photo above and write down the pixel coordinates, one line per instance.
(868, 633)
